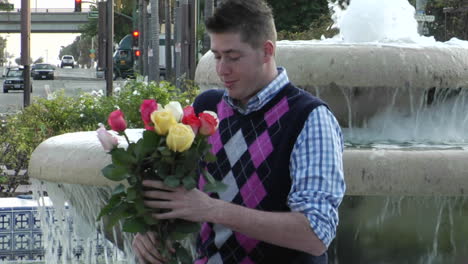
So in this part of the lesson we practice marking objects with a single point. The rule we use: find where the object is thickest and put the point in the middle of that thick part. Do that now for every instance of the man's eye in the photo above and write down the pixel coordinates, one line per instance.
(217, 57)
(234, 58)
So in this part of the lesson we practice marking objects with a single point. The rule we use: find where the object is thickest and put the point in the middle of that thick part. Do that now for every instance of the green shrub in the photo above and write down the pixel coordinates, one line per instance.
(22, 132)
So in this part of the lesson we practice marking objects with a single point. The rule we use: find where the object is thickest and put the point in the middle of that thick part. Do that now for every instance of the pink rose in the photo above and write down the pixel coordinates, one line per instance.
(147, 108)
(209, 123)
(189, 110)
(116, 121)
(108, 141)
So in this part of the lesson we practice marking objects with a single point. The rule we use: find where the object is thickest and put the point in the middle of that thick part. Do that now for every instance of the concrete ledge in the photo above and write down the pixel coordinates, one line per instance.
(406, 172)
(78, 158)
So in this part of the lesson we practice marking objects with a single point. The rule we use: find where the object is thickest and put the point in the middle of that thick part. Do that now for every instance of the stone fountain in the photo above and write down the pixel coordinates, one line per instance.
(361, 81)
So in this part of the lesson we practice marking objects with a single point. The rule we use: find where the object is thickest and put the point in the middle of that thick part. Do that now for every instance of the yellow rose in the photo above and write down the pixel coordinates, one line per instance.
(180, 137)
(163, 120)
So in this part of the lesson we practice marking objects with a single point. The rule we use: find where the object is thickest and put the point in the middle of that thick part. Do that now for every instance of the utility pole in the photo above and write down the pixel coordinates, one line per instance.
(421, 10)
(140, 21)
(25, 50)
(109, 47)
(209, 7)
(154, 28)
(101, 37)
(186, 40)
(168, 39)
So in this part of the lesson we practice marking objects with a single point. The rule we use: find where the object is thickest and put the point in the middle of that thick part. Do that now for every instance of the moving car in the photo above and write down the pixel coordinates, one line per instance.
(42, 71)
(67, 60)
(14, 80)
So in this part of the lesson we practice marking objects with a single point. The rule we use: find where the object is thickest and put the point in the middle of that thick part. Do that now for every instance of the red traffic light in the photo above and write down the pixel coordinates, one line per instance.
(77, 5)
(137, 53)
(136, 33)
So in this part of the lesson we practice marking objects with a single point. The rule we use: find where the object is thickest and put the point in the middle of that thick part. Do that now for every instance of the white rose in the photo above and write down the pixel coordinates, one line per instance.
(176, 110)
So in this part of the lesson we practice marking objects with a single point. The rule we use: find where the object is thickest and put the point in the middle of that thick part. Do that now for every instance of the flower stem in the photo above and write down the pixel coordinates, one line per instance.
(126, 137)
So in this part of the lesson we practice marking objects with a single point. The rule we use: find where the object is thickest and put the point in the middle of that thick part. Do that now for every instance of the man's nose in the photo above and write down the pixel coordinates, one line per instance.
(223, 68)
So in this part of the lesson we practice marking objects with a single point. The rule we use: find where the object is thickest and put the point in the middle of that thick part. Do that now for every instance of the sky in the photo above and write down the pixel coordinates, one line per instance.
(42, 44)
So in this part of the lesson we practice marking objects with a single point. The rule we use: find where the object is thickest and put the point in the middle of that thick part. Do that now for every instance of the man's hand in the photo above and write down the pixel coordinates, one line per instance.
(145, 248)
(193, 205)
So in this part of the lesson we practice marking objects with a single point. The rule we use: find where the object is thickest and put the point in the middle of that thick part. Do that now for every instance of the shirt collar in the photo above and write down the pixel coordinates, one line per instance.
(263, 97)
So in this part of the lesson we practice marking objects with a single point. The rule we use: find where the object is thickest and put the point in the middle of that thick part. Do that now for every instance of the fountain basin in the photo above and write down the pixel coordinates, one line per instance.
(78, 158)
(360, 80)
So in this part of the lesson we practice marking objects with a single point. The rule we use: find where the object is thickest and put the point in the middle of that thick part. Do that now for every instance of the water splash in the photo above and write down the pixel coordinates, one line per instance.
(440, 123)
(71, 234)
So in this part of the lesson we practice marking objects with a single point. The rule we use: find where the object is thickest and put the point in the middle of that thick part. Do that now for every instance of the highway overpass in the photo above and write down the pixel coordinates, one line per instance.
(46, 20)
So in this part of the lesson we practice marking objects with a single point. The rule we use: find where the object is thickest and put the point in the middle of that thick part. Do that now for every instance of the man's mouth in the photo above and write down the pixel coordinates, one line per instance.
(229, 84)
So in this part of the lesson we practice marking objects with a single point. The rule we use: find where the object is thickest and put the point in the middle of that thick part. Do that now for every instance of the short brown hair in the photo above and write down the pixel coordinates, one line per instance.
(253, 19)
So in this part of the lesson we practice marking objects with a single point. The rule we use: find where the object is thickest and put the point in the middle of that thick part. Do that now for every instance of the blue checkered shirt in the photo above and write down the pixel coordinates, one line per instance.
(316, 163)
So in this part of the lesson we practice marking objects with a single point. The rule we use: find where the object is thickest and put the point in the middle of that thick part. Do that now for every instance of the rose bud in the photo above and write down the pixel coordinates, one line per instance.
(116, 121)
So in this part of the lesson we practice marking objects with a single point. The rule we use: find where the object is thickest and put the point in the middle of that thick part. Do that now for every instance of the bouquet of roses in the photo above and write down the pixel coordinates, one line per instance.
(173, 145)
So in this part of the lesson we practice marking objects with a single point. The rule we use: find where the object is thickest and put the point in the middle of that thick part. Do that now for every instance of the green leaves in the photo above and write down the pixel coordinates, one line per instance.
(172, 181)
(115, 173)
(182, 254)
(212, 185)
(122, 158)
(215, 187)
(134, 225)
(189, 182)
(180, 229)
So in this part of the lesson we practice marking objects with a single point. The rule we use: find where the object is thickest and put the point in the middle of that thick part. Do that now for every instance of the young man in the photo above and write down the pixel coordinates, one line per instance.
(279, 150)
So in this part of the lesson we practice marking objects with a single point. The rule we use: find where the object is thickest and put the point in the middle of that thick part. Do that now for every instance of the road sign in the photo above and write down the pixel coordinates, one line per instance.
(424, 18)
(93, 14)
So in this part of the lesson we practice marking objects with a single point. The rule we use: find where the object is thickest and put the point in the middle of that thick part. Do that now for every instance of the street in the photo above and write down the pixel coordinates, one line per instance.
(72, 81)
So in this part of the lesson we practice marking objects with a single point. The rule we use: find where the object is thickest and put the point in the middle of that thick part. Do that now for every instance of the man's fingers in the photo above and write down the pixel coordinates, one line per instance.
(153, 194)
(145, 256)
(157, 185)
(159, 204)
(145, 247)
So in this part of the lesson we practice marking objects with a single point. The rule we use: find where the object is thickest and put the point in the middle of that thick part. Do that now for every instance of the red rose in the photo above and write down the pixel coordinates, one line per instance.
(146, 108)
(209, 123)
(116, 121)
(193, 121)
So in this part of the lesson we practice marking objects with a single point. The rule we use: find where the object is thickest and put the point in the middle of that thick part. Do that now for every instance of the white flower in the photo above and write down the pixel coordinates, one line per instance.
(108, 141)
(176, 110)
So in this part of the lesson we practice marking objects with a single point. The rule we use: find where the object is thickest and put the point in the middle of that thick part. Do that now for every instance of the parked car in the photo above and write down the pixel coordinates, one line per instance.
(42, 71)
(14, 80)
(67, 60)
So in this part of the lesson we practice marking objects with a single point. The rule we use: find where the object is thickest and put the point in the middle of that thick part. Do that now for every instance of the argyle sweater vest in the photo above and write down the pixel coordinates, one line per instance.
(253, 154)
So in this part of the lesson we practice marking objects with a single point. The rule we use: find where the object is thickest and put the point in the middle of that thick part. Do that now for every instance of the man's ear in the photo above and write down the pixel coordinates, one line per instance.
(268, 50)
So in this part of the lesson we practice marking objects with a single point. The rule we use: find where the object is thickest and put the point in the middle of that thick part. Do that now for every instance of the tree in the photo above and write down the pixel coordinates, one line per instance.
(297, 15)
(123, 20)
(451, 23)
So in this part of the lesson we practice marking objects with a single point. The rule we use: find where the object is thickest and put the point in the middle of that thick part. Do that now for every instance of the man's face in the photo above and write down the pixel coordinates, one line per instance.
(239, 66)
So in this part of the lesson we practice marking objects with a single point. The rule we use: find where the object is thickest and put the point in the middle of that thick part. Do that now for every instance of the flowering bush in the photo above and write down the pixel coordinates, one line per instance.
(173, 144)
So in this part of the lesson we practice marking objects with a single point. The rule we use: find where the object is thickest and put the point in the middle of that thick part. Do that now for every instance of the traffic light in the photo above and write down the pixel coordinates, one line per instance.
(77, 5)
(137, 53)
(136, 37)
